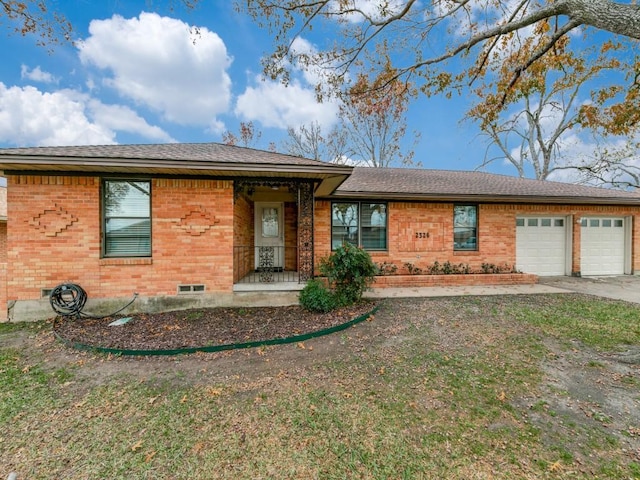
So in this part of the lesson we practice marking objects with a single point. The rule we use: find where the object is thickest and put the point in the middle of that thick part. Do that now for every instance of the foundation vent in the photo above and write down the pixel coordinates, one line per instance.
(195, 288)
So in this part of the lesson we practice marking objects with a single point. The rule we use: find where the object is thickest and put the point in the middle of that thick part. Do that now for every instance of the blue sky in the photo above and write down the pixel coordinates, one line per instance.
(139, 76)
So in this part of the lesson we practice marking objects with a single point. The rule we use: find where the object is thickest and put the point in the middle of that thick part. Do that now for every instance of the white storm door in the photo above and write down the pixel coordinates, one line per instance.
(269, 235)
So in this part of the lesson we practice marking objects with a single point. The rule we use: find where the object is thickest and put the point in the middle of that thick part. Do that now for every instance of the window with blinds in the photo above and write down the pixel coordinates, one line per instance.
(465, 227)
(126, 218)
(359, 223)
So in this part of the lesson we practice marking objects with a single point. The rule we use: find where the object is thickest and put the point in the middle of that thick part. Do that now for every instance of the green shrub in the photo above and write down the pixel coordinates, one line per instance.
(386, 268)
(350, 271)
(412, 269)
(316, 297)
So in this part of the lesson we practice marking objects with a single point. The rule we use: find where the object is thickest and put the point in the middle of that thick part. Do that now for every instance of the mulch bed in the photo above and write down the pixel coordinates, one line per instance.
(203, 327)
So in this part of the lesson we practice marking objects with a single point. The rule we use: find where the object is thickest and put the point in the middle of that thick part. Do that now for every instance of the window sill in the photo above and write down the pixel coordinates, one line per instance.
(463, 253)
(126, 261)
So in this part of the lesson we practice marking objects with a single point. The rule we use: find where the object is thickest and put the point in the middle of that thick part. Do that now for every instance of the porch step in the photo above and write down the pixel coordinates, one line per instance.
(268, 287)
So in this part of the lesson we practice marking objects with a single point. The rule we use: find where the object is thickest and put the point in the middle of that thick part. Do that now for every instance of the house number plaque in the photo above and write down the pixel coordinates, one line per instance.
(422, 234)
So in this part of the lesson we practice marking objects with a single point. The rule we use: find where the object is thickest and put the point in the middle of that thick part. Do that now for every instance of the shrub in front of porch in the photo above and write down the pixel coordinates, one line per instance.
(349, 272)
(316, 297)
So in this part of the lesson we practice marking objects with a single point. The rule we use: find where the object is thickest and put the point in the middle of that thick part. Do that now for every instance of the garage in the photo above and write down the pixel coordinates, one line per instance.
(541, 245)
(602, 246)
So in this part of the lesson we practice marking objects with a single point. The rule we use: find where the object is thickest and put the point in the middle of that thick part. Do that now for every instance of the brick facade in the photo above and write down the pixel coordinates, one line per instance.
(290, 236)
(496, 233)
(243, 237)
(54, 237)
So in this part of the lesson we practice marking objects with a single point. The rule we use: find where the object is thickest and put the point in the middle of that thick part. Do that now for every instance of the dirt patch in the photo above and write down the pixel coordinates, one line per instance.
(586, 387)
(40, 346)
(203, 327)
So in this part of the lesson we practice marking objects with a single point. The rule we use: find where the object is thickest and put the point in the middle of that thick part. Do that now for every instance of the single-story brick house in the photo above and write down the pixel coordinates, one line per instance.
(210, 224)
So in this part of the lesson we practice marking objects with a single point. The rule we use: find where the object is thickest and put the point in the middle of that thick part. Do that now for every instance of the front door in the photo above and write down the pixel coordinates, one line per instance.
(269, 235)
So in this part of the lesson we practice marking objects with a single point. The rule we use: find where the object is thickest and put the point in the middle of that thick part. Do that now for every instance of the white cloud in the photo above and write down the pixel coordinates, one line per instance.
(160, 63)
(29, 117)
(312, 74)
(376, 10)
(37, 75)
(280, 106)
(122, 118)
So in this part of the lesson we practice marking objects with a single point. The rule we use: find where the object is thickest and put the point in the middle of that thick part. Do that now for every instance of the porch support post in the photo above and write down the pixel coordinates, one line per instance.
(305, 231)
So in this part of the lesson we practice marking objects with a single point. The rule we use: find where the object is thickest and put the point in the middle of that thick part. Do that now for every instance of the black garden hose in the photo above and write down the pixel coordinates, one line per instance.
(68, 300)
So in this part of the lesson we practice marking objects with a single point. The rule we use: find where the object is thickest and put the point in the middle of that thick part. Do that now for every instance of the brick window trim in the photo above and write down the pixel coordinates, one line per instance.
(125, 261)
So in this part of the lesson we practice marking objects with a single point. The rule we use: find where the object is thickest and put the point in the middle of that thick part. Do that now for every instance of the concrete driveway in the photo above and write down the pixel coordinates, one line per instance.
(623, 287)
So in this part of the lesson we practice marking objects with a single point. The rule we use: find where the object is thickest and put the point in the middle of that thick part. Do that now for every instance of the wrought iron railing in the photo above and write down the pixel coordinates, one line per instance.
(265, 264)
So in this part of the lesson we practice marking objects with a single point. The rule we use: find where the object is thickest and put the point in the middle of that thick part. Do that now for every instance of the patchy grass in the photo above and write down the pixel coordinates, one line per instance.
(430, 388)
(600, 324)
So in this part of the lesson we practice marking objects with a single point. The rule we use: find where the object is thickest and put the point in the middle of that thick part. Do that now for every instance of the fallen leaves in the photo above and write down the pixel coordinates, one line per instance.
(214, 392)
(212, 326)
(137, 446)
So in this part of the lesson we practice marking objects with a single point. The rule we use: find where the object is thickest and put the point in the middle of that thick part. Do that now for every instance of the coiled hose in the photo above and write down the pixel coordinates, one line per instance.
(68, 300)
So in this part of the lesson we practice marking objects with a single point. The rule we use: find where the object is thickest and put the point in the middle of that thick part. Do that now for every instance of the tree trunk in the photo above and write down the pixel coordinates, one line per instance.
(623, 19)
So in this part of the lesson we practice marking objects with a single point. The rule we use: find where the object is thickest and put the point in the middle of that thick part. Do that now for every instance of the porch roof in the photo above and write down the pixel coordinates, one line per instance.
(174, 159)
(465, 186)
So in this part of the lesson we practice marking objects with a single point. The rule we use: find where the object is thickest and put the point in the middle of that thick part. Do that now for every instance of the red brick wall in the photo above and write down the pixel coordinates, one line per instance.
(243, 237)
(405, 219)
(496, 239)
(3, 270)
(54, 228)
(291, 236)
(54, 237)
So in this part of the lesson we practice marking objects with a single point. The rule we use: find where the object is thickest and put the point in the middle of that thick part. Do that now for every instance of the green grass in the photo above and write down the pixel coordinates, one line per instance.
(431, 406)
(600, 324)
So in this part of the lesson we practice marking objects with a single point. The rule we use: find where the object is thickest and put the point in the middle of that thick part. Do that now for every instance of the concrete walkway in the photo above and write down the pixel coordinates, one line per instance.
(624, 287)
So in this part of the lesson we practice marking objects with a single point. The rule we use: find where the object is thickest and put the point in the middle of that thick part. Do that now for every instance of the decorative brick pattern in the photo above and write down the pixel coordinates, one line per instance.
(52, 221)
(197, 222)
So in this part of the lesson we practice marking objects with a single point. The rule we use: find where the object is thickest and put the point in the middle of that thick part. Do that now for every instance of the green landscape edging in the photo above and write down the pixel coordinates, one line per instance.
(218, 348)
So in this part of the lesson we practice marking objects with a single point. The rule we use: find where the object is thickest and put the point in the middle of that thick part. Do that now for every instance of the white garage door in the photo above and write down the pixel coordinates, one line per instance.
(602, 246)
(541, 245)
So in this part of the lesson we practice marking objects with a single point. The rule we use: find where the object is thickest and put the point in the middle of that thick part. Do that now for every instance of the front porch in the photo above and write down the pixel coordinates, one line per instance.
(274, 270)
(273, 235)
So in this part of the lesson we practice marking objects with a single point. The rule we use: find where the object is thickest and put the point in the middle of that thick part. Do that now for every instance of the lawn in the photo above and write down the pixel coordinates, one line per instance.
(460, 388)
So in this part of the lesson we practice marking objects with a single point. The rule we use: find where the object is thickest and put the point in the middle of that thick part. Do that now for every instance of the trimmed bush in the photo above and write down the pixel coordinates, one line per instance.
(316, 297)
(350, 271)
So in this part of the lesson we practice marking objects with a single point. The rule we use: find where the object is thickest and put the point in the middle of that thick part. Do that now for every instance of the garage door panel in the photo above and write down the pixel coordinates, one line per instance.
(541, 245)
(602, 249)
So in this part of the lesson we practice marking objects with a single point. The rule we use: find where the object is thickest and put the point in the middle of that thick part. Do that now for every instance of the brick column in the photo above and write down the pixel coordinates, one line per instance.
(305, 231)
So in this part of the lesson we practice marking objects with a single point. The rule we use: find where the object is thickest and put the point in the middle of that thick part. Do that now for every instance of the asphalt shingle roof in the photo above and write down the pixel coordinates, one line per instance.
(399, 182)
(373, 183)
(204, 152)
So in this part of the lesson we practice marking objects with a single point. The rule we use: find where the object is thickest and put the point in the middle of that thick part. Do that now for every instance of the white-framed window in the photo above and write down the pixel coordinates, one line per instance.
(126, 218)
(465, 227)
(363, 224)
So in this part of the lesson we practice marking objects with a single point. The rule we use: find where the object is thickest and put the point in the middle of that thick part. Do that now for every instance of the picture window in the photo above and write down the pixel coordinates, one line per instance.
(126, 222)
(362, 224)
(465, 227)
